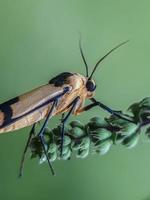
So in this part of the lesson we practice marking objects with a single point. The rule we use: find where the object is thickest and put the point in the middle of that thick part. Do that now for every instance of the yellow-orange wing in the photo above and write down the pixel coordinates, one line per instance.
(28, 108)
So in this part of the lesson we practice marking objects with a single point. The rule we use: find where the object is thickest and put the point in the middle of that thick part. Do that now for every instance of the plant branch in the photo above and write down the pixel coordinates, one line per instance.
(96, 136)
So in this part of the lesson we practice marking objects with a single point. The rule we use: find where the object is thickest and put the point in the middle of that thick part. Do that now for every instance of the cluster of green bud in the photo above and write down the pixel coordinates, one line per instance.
(97, 136)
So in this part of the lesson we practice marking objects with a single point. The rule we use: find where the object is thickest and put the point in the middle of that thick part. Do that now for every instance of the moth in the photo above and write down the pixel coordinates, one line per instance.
(64, 94)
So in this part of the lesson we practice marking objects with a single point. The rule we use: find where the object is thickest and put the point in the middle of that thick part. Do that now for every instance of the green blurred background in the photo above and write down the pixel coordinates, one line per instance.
(38, 40)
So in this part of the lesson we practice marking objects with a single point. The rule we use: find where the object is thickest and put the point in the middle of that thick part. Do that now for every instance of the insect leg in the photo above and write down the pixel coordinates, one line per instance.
(32, 132)
(41, 136)
(64, 120)
(113, 112)
(104, 107)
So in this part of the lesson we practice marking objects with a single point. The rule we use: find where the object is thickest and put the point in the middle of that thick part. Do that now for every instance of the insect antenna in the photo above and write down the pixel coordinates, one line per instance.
(83, 57)
(100, 60)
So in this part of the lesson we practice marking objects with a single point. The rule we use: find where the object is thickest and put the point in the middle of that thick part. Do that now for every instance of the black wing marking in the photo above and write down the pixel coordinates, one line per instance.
(61, 79)
(7, 110)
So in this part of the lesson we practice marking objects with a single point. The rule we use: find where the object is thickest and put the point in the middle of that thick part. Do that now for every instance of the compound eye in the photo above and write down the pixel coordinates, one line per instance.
(90, 85)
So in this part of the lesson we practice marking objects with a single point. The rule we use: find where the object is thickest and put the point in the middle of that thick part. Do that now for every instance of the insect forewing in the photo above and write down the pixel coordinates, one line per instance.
(27, 104)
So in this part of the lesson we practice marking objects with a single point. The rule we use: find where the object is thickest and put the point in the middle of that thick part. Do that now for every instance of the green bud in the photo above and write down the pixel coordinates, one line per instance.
(83, 143)
(36, 146)
(77, 123)
(52, 148)
(42, 159)
(52, 156)
(101, 134)
(47, 139)
(56, 131)
(131, 141)
(141, 109)
(118, 139)
(82, 153)
(116, 121)
(67, 140)
(97, 122)
(64, 150)
(77, 132)
(47, 130)
(33, 155)
(145, 102)
(134, 108)
(144, 114)
(104, 146)
(75, 145)
(66, 155)
(128, 129)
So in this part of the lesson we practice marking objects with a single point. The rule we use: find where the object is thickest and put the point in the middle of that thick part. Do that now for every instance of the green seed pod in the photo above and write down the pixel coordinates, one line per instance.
(77, 123)
(77, 132)
(52, 148)
(82, 153)
(128, 129)
(52, 156)
(67, 155)
(131, 141)
(101, 134)
(104, 146)
(67, 140)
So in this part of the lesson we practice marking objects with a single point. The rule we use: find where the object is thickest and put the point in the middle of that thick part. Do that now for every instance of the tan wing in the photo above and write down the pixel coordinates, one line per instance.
(35, 98)
(28, 108)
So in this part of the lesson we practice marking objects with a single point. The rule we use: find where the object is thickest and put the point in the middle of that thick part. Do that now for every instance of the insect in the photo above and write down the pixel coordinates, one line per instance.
(64, 94)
